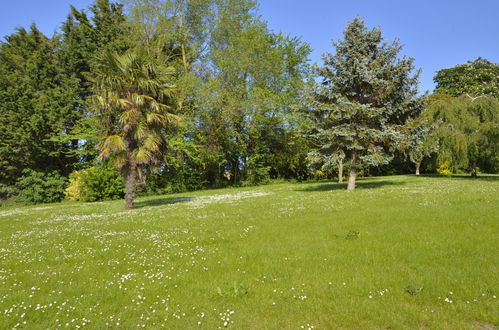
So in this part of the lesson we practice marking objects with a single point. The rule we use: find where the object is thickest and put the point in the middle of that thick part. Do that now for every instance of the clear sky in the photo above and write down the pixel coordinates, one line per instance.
(438, 33)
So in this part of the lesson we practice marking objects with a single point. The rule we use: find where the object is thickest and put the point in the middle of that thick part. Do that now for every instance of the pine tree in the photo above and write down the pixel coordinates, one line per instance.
(365, 98)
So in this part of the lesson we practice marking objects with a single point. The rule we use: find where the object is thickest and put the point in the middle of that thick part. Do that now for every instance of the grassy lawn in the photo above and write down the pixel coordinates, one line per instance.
(399, 252)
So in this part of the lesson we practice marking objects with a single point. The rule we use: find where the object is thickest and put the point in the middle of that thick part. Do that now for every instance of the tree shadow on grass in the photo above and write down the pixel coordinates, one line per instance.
(162, 201)
(343, 186)
(480, 177)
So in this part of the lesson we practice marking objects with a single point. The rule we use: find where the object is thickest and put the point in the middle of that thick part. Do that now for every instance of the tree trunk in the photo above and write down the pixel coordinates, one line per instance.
(234, 170)
(473, 171)
(130, 184)
(418, 165)
(340, 171)
(353, 172)
(182, 43)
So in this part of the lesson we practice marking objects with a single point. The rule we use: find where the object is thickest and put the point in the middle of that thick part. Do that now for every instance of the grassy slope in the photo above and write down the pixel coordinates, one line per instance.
(279, 256)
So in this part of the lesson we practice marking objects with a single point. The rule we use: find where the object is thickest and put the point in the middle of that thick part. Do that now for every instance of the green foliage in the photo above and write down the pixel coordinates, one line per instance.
(97, 183)
(236, 290)
(249, 97)
(366, 95)
(35, 106)
(85, 34)
(132, 96)
(256, 171)
(39, 187)
(245, 95)
(468, 133)
(74, 190)
(413, 290)
(43, 91)
(7, 193)
(352, 235)
(475, 78)
(419, 140)
(444, 168)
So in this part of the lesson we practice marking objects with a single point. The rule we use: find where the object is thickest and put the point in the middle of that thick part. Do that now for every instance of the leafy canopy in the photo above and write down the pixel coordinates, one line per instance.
(129, 91)
(475, 78)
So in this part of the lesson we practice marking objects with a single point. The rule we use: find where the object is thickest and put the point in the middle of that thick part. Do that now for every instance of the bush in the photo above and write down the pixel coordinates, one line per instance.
(7, 193)
(444, 168)
(96, 183)
(74, 190)
(38, 187)
(256, 171)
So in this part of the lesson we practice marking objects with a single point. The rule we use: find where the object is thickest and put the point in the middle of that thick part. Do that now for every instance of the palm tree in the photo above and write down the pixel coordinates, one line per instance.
(130, 93)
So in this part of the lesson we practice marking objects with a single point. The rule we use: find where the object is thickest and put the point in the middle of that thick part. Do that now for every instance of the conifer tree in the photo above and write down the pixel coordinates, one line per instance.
(366, 95)
(35, 106)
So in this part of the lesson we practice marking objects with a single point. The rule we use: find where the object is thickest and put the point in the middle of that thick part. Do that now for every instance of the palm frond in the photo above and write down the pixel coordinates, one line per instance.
(142, 155)
(111, 144)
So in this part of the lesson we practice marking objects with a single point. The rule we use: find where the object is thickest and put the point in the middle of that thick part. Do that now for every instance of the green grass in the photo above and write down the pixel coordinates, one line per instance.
(399, 252)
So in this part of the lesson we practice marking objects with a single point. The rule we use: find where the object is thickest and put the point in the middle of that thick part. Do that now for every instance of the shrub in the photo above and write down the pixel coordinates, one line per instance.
(39, 187)
(74, 190)
(96, 183)
(256, 171)
(319, 175)
(7, 193)
(444, 168)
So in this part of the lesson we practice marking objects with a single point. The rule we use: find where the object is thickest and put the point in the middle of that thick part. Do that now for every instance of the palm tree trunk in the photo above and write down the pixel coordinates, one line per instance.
(353, 172)
(130, 184)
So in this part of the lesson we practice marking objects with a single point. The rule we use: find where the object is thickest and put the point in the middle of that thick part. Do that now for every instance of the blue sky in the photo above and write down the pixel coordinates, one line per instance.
(438, 33)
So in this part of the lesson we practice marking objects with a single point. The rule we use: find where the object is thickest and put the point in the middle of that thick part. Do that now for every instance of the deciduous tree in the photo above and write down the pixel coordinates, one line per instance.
(474, 79)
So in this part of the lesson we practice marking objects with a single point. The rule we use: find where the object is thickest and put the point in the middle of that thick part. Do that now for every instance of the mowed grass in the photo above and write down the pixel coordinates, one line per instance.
(399, 252)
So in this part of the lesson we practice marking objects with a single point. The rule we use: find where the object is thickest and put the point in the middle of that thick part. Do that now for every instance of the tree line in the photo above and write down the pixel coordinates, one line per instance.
(179, 95)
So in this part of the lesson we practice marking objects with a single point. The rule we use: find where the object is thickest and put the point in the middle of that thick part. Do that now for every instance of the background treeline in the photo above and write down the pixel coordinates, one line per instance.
(244, 94)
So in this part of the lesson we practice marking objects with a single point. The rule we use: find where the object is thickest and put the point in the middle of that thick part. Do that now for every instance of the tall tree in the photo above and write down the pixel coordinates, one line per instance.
(253, 84)
(420, 141)
(468, 133)
(85, 34)
(35, 106)
(366, 95)
(131, 100)
(474, 79)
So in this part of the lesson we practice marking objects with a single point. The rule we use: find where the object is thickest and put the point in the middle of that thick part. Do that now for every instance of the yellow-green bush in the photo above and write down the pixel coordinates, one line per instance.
(96, 183)
(444, 168)
(74, 190)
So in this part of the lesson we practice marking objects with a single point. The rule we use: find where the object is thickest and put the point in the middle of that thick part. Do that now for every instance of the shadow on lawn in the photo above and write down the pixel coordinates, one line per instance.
(343, 186)
(162, 201)
(480, 177)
